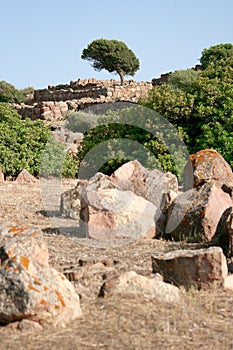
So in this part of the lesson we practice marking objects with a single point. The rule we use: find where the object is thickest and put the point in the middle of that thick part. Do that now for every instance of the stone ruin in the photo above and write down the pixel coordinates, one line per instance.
(52, 104)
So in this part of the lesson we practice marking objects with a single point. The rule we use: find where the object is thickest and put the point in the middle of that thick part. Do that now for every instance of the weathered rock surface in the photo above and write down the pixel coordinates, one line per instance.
(25, 177)
(194, 215)
(29, 287)
(132, 284)
(208, 165)
(224, 232)
(70, 205)
(108, 214)
(153, 185)
(228, 283)
(202, 268)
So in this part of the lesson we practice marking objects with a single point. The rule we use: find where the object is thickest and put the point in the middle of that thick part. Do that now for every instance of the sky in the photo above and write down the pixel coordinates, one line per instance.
(42, 41)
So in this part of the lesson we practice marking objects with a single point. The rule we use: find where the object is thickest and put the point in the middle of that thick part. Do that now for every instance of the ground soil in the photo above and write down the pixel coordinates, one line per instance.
(203, 320)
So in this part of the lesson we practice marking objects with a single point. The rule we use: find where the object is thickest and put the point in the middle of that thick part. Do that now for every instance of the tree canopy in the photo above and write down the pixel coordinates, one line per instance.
(203, 108)
(112, 55)
(216, 54)
(8, 93)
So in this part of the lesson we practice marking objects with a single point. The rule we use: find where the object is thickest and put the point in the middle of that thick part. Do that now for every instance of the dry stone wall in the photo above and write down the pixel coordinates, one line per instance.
(54, 102)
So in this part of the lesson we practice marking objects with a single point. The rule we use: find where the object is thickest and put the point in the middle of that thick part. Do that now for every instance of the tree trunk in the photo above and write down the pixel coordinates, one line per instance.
(121, 74)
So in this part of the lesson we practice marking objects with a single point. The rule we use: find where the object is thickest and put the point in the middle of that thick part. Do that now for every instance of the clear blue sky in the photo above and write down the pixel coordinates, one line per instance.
(41, 41)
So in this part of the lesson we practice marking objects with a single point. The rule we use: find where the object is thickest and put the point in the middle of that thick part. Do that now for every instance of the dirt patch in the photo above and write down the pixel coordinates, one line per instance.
(203, 319)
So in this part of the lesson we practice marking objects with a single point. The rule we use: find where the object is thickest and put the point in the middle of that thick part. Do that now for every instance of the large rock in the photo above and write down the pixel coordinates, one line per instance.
(155, 186)
(194, 215)
(224, 232)
(108, 214)
(208, 165)
(132, 284)
(70, 204)
(201, 268)
(151, 185)
(29, 287)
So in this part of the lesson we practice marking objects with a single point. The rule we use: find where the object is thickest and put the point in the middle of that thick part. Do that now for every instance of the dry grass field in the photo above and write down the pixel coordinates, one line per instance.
(203, 320)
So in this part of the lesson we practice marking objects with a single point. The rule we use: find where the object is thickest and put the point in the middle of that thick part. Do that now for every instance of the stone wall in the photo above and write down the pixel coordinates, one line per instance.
(54, 102)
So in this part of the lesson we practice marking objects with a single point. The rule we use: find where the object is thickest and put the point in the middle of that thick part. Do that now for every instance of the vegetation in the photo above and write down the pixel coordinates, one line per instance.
(183, 79)
(22, 143)
(80, 121)
(127, 134)
(198, 104)
(112, 55)
(202, 109)
(8, 93)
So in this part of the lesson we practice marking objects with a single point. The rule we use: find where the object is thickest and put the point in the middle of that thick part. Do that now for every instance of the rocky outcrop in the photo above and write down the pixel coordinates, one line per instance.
(29, 287)
(200, 268)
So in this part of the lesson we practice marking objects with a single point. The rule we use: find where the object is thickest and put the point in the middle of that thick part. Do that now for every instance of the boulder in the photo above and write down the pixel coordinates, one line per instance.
(26, 178)
(70, 204)
(29, 287)
(206, 267)
(154, 186)
(208, 165)
(151, 185)
(108, 214)
(224, 232)
(23, 242)
(132, 284)
(131, 176)
(194, 215)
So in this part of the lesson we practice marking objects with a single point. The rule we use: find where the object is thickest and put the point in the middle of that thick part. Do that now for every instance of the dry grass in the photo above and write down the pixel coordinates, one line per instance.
(202, 321)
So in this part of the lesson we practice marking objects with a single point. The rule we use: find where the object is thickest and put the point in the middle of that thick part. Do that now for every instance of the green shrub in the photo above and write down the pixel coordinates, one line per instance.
(204, 110)
(183, 79)
(121, 136)
(8, 93)
(22, 144)
(80, 121)
(56, 161)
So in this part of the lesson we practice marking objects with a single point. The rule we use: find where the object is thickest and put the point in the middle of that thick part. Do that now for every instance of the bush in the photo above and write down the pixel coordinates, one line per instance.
(56, 161)
(203, 111)
(22, 143)
(118, 138)
(183, 79)
(8, 93)
(80, 121)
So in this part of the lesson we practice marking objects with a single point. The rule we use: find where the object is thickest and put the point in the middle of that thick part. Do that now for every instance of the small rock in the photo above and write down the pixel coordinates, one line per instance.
(133, 284)
(25, 177)
(28, 326)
